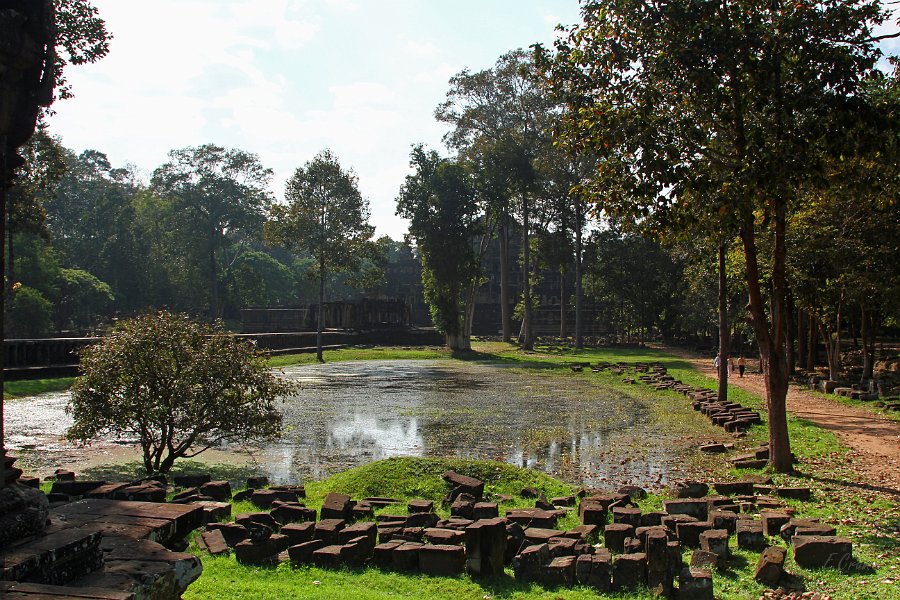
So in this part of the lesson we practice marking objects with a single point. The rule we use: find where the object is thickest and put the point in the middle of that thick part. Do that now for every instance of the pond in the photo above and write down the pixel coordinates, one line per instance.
(351, 413)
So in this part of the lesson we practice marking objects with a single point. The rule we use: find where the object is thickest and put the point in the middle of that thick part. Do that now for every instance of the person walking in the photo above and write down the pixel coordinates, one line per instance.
(742, 365)
(717, 363)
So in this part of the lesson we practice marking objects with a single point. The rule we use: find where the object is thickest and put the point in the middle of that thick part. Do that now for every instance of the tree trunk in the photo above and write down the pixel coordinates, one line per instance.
(812, 350)
(505, 308)
(563, 306)
(458, 342)
(723, 326)
(527, 322)
(321, 324)
(829, 351)
(10, 262)
(4, 187)
(802, 338)
(865, 334)
(791, 333)
(771, 342)
(213, 286)
(579, 290)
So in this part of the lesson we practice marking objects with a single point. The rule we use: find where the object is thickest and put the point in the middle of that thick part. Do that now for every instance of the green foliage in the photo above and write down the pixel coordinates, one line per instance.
(83, 298)
(30, 314)
(82, 37)
(178, 386)
(440, 203)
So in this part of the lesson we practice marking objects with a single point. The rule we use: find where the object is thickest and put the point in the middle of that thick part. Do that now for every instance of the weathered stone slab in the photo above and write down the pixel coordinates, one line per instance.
(817, 552)
(420, 506)
(715, 541)
(327, 530)
(464, 483)
(336, 506)
(13, 590)
(694, 507)
(528, 563)
(485, 547)
(292, 513)
(214, 542)
(629, 571)
(772, 522)
(614, 536)
(594, 570)
(695, 584)
(406, 556)
(441, 560)
(770, 567)
(261, 552)
(232, 532)
(750, 535)
(539, 535)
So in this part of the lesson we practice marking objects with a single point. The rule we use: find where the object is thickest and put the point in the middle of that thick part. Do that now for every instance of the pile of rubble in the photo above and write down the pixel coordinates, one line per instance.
(616, 546)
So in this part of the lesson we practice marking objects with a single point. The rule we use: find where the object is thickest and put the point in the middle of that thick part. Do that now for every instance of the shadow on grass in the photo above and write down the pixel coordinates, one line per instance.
(133, 471)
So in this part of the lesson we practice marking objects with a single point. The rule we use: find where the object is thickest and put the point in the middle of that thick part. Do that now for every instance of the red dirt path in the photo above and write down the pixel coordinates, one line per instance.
(874, 440)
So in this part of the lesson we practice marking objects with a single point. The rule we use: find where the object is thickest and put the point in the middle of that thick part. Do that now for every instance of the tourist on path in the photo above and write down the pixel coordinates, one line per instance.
(742, 365)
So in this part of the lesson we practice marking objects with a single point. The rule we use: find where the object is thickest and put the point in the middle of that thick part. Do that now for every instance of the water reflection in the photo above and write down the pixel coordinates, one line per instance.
(352, 413)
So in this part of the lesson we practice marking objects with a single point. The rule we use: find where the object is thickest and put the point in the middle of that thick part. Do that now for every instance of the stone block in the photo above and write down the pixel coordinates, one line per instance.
(563, 501)
(436, 535)
(715, 541)
(463, 506)
(420, 506)
(217, 490)
(770, 566)
(690, 489)
(292, 513)
(263, 518)
(693, 507)
(357, 551)
(652, 518)
(383, 554)
(732, 488)
(327, 530)
(539, 535)
(232, 532)
(485, 547)
(214, 511)
(528, 563)
(586, 533)
(629, 571)
(805, 527)
(562, 546)
(630, 516)
(595, 571)
(485, 510)
(441, 560)
(422, 519)
(772, 522)
(336, 506)
(695, 584)
(817, 552)
(560, 571)
(299, 533)
(614, 536)
(592, 513)
(701, 559)
(368, 530)
(406, 556)
(465, 484)
(750, 535)
(214, 542)
(260, 552)
(327, 557)
(724, 519)
(302, 553)
(689, 533)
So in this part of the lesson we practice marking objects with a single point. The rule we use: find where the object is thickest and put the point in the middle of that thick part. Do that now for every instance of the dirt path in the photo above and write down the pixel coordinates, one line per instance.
(874, 441)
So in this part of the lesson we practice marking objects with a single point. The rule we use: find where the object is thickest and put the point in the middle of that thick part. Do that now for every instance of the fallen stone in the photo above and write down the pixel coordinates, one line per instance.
(772, 522)
(302, 553)
(327, 557)
(292, 513)
(383, 554)
(260, 552)
(215, 542)
(559, 572)
(485, 547)
(327, 530)
(701, 559)
(689, 533)
(528, 563)
(336, 506)
(406, 556)
(750, 535)
(631, 516)
(614, 536)
(629, 571)
(595, 571)
(734, 488)
(420, 506)
(441, 560)
(258, 481)
(695, 584)
(232, 532)
(795, 493)
(715, 541)
(485, 510)
(299, 533)
(805, 527)
(422, 519)
(690, 489)
(770, 566)
(818, 552)
(464, 483)
(463, 506)
(217, 490)
(191, 481)
(694, 507)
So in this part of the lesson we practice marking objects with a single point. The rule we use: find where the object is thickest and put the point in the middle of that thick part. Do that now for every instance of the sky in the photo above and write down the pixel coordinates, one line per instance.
(287, 78)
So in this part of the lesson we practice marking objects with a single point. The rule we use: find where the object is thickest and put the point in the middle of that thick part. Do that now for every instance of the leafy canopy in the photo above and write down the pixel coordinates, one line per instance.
(178, 386)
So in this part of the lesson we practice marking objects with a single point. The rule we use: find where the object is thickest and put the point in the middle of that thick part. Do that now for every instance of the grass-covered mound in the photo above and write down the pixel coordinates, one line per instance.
(408, 478)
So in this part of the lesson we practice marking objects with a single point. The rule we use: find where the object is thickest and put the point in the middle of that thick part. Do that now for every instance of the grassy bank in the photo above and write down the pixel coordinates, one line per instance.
(31, 387)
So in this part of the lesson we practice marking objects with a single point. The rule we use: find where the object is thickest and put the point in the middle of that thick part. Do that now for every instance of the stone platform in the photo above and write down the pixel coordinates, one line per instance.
(104, 549)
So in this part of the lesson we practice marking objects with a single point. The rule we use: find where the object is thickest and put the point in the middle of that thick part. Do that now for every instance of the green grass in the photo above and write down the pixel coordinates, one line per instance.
(31, 387)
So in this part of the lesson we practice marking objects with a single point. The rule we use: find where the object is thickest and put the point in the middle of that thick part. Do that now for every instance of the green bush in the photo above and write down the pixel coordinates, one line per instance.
(30, 314)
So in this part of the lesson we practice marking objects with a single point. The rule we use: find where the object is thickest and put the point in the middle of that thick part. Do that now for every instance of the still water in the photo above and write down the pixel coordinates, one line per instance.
(352, 413)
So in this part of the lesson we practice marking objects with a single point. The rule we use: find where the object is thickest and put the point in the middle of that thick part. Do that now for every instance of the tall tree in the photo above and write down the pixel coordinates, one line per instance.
(445, 222)
(747, 90)
(327, 217)
(37, 37)
(503, 109)
(223, 195)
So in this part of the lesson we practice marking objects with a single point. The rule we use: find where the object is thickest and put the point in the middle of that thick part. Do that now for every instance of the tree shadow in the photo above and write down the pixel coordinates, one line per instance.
(134, 470)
